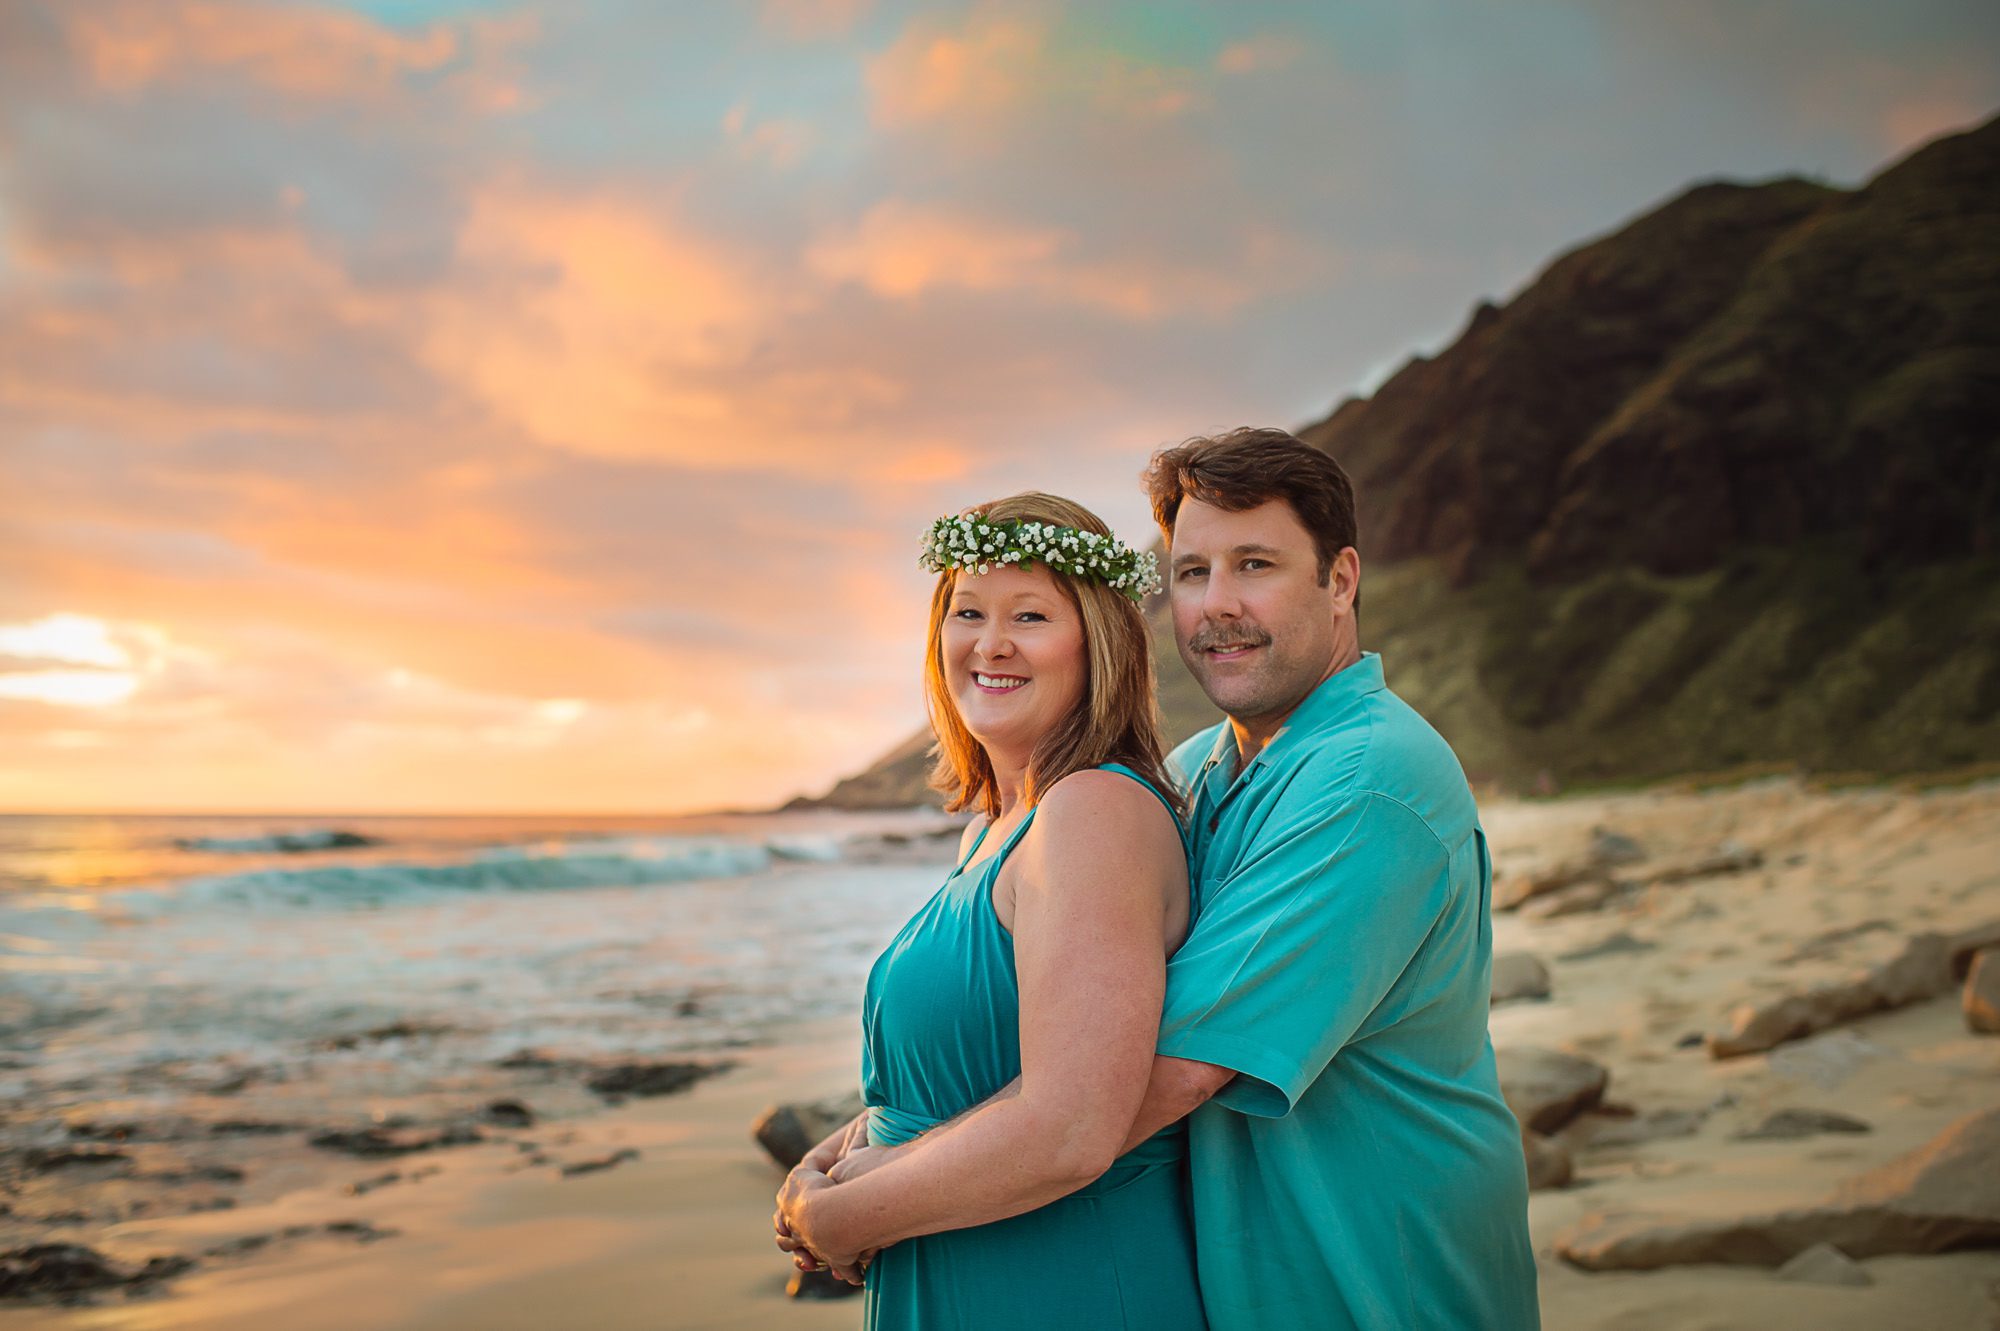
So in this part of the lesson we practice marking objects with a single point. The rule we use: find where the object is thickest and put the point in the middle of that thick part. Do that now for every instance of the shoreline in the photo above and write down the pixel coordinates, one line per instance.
(499, 1238)
(678, 1236)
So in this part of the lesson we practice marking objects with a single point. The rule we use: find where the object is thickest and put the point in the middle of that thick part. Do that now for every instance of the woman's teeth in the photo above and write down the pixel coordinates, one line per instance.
(997, 681)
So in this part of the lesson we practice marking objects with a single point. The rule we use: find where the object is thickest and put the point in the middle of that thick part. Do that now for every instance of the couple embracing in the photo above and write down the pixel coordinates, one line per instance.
(1194, 1040)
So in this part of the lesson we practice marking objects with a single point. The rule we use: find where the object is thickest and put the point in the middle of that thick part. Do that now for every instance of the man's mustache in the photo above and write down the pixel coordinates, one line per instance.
(1216, 638)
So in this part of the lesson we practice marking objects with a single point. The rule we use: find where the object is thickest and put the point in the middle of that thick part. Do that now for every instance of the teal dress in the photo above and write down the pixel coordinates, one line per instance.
(941, 1032)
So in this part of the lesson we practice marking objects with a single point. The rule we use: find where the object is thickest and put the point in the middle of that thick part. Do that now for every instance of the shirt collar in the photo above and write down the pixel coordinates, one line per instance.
(1333, 695)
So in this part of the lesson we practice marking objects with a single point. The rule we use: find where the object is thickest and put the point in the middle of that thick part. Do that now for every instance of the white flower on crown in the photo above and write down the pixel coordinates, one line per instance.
(967, 542)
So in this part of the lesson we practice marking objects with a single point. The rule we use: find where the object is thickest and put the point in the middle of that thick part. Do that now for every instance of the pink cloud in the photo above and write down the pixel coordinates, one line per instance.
(901, 250)
(1255, 54)
(931, 74)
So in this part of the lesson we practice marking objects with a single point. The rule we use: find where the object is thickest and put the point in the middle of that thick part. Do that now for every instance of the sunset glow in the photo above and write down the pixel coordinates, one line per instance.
(439, 405)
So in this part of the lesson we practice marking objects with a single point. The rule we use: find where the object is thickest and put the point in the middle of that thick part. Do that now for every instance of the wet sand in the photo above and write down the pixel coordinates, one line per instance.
(677, 1237)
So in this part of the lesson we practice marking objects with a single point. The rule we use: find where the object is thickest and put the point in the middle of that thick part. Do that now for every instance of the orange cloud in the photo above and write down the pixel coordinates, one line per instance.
(304, 52)
(930, 74)
(596, 322)
(902, 250)
(1255, 54)
(301, 52)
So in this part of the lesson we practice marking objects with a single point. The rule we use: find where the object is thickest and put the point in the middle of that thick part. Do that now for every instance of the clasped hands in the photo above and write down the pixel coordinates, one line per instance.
(813, 1243)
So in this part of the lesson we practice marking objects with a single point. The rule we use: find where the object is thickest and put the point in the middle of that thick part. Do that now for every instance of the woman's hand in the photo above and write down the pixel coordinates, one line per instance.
(861, 1160)
(811, 1244)
(837, 1144)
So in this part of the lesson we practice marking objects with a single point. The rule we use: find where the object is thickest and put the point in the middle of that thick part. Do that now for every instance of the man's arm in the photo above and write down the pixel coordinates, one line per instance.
(1179, 1087)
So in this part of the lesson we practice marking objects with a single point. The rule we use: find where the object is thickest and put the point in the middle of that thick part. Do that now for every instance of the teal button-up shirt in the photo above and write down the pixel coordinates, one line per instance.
(1362, 1170)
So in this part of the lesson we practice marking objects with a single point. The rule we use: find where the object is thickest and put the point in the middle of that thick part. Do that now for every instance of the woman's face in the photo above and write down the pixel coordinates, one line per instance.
(1013, 655)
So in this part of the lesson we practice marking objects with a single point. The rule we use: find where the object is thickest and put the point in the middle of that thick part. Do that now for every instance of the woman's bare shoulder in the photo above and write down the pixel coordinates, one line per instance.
(1098, 811)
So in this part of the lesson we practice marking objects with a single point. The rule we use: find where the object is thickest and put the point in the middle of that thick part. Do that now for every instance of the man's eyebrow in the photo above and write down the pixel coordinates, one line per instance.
(1240, 550)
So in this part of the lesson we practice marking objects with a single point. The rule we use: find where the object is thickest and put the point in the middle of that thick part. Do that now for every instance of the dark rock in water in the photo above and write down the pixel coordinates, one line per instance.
(605, 1162)
(788, 1131)
(1692, 1040)
(47, 1160)
(362, 1187)
(1546, 1089)
(234, 1082)
(397, 1030)
(1791, 1124)
(533, 1060)
(1941, 1197)
(87, 1131)
(375, 1142)
(508, 1114)
(201, 1174)
(71, 1273)
(360, 1230)
(248, 1127)
(818, 1285)
(239, 1247)
(651, 1078)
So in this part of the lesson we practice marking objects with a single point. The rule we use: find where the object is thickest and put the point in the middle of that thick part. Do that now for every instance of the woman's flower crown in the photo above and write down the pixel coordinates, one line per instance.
(970, 542)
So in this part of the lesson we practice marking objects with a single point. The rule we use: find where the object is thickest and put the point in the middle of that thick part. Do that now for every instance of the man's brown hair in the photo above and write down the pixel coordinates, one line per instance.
(1251, 466)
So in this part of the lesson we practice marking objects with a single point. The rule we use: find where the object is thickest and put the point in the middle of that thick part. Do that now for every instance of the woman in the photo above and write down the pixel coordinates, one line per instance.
(1028, 990)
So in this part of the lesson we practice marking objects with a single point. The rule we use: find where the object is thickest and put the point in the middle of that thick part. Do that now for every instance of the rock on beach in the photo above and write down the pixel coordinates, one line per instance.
(1546, 1088)
(1943, 1196)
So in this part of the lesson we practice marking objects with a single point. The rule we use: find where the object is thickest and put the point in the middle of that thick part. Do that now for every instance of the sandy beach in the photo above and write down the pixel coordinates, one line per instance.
(499, 1237)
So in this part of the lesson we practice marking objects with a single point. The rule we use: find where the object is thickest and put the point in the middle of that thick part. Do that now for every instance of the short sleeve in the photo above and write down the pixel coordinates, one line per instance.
(1304, 940)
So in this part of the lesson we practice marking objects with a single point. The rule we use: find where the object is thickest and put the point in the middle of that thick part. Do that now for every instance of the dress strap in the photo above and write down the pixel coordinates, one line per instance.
(977, 842)
(1014, 837)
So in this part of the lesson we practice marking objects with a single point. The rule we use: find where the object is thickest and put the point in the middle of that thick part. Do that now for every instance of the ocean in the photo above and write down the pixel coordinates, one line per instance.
(171, 979)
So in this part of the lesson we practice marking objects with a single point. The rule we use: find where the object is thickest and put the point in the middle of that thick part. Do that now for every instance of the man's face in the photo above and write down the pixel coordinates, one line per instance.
(1252, 620)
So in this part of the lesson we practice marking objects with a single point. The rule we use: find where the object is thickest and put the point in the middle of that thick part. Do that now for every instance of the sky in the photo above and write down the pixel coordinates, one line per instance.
(430, 405)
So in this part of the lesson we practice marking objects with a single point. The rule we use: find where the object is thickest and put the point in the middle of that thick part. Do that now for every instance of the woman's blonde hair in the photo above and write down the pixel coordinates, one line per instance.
(1118, 718)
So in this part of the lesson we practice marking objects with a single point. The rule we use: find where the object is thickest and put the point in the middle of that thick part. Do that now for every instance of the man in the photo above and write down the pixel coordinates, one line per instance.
(1354, 1164)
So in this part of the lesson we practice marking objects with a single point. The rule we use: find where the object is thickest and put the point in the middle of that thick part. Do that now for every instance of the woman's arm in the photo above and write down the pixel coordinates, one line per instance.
(1095, 881)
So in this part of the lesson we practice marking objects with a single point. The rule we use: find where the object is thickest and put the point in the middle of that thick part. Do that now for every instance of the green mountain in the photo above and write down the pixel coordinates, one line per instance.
(1719, 488)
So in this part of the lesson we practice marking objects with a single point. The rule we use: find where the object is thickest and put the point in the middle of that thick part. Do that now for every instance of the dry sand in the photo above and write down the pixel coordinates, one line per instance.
(677, 1237)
